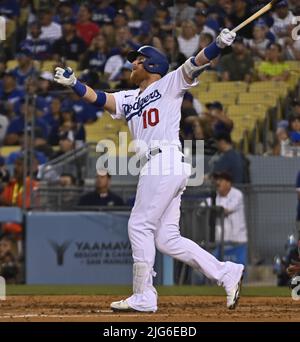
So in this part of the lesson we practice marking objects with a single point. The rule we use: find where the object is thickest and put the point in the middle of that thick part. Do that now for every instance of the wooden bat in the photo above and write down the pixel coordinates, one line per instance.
(256, 15)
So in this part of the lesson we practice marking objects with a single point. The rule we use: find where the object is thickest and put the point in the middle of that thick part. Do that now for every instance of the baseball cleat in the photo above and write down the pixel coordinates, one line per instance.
(123, 306)
(233, 295)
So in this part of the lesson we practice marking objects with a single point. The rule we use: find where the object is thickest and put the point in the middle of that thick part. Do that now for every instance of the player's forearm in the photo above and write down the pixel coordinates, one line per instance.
(213, 50)
(97, 98)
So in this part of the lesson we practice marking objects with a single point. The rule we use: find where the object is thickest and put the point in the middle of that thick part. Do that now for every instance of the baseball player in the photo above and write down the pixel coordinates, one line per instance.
(153, 114)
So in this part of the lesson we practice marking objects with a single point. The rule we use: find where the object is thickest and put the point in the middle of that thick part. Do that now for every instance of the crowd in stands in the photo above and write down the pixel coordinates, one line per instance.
(94, 38)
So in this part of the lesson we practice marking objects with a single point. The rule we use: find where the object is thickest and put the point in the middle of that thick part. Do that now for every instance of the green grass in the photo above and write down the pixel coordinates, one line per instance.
(13, 290)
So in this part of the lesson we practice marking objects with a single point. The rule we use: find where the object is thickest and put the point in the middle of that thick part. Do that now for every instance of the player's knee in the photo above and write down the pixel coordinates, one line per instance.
(162, 244)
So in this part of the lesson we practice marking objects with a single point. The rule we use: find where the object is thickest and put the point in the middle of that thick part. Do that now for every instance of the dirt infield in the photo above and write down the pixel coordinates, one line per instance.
(171, 309)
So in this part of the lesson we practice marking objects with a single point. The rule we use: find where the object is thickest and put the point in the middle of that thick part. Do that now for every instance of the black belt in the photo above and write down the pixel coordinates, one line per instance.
(146, 157)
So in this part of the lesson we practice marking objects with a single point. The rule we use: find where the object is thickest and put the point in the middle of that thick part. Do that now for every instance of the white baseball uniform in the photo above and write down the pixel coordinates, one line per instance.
(153, 117)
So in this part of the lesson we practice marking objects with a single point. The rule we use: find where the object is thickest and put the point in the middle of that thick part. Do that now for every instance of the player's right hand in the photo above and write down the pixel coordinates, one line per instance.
(65, 77)
(225, 38)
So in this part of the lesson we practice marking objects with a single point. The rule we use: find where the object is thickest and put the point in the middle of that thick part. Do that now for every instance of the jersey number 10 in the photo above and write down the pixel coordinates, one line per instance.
(150, 117)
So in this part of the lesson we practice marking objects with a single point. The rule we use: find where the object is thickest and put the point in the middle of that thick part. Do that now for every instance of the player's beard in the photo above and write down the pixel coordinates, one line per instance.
(138, 76)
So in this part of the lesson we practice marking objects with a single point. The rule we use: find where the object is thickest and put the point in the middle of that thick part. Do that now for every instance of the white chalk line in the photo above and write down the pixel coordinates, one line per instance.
(107, 312)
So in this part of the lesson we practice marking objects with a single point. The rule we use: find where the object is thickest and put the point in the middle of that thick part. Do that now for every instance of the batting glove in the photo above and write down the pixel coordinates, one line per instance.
(65, 77)
(225, 38)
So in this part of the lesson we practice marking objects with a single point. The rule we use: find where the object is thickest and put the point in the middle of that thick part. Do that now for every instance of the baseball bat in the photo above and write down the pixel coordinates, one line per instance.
(256, 15)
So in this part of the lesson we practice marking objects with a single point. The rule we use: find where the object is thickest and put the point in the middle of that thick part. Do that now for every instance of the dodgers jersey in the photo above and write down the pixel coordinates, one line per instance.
(153, 116)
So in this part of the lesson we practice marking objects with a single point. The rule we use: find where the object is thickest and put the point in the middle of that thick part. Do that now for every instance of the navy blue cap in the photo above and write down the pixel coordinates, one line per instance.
(215, 105)
(282, 3)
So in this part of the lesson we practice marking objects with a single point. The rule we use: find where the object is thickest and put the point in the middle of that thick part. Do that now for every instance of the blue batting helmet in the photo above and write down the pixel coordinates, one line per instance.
(155, 63)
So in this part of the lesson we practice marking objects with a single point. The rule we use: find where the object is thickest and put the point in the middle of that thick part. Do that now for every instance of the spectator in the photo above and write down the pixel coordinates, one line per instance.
(200, 21)
(45, 86)
(68, 129)
(9, 93)
(273, 69)
(92, 79)
(230, 160)
(181, 11)
(294, 126)
(171, 49)
(282, 140)
(25, 68)
(67, 180)
(114, 64)
(259, 43)
(232, 200)
(125, 79)
(40, 48)
(9, 266)
(95, 56)
(218, 119)
(4, 174)
(190, 101)
(137, 26)
(68, 199)
(84, 112)
(202, 131)
(238, 65)
(66, 142)
(31, 88)
(12, 194)
(101, 196)
(86, 29)
(146, 10)
(69, 46)
(103, 12)
(17, 125)
(163, 21)
(51, 31)
(10, 9)
(188, 39)
(283, 19)
(53, 115)
(241, 12)
(65, 11)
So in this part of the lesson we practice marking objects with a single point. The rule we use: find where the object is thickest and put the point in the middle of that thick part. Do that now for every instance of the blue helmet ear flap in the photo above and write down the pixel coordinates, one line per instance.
(155, 63)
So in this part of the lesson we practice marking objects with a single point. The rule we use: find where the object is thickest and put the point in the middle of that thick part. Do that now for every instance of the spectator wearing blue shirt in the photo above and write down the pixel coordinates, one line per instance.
(67, 123)
(230, 160)
(53, 115)
(294, 125)
(66, 10)
(103, 13)
(39, 48)
(84, 111)
(17, 125)
(95, 56)
(69, 46)
(10, 9)
(25, 68)
(9, 94)
(220, 122)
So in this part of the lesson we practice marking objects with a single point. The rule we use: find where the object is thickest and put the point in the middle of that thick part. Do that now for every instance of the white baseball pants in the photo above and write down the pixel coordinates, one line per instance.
(154, 223)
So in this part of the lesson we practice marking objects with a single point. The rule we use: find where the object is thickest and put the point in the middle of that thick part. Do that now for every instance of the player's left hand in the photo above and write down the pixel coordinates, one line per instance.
(225, 38)
(65, 77)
